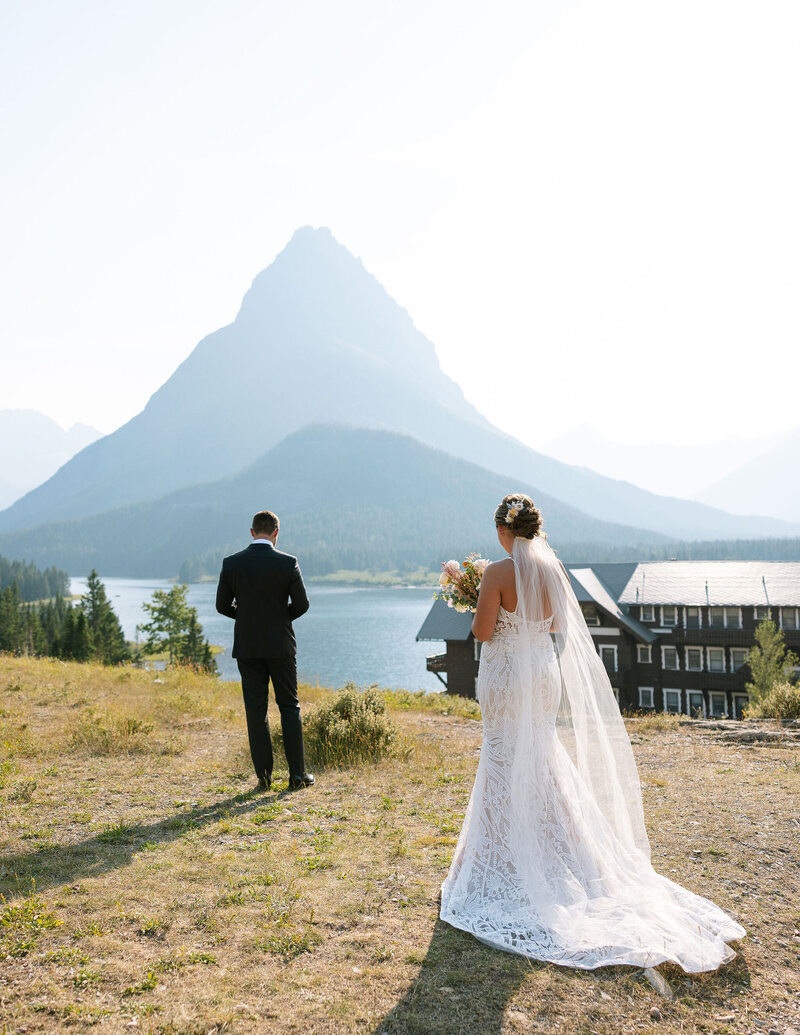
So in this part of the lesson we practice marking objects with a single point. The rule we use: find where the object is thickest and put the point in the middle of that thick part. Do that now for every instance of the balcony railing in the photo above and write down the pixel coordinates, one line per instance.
(436, 663)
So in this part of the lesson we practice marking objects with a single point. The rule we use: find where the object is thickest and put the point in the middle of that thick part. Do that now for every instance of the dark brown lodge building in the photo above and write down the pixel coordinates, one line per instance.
(673, 635)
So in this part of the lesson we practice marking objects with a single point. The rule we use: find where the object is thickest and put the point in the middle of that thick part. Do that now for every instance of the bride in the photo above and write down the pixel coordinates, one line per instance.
(553, 860)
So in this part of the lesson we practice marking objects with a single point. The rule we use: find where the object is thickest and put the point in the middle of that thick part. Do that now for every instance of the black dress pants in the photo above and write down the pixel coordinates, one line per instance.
(256, 674)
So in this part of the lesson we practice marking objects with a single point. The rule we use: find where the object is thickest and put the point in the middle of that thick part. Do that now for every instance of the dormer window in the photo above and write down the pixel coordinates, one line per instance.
(789, 618)
(591, 617)
(669, 616)
(694, 618)
(647, 613)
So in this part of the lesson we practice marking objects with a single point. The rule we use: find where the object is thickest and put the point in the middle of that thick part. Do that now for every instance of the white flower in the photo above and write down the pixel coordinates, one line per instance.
(444, 579)
(460, 607)
(479, 564)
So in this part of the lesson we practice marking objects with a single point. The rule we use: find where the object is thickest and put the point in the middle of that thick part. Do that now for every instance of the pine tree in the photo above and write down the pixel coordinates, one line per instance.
(82, 646)
(33, 639)
(196, 650)
(107, 636)
(769, 661)
(10, 619)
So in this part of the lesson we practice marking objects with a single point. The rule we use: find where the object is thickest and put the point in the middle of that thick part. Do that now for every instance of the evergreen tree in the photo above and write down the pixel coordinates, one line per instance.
(82, 646)
(10, 619)
(32, 639)
(195, 649)
(107, 636)
(175, 630)
(769, 661)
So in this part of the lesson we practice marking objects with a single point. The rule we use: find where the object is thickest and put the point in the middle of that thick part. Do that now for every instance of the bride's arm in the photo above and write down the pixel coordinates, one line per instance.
(495, 580)
(488, 606)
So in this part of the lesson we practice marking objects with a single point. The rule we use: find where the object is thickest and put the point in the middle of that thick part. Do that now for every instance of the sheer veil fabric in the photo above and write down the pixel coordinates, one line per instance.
(553, 860)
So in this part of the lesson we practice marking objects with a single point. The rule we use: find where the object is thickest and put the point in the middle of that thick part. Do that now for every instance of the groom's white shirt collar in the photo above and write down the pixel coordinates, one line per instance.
(263, 542)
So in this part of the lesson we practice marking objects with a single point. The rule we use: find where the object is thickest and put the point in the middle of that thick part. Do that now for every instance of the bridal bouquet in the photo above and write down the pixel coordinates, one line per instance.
(460, 582)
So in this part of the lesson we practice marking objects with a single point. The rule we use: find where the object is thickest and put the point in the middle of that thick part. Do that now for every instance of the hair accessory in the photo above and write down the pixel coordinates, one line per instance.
(515, 508)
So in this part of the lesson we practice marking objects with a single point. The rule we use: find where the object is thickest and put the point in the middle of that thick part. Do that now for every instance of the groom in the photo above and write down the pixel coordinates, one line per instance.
(262, 589)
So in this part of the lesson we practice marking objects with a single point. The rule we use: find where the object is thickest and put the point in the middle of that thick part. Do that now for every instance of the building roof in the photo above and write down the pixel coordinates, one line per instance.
(715, 583)
(614, 576)
(588, 587)
(445, 623)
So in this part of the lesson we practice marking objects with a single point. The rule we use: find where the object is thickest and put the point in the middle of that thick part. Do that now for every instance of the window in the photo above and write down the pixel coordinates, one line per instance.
(738, 658)
(647, 613)
(669, 616)
(725, 617)
(694, 704)
(591, 617)
(789, 618)
(716, 659)
(644, 653)
(646, 697)
(694, 659)
(693, 617)
(609, 657)
(740, 702)
(669, 657)
(763, 614)
(718, 705)
(672, 701)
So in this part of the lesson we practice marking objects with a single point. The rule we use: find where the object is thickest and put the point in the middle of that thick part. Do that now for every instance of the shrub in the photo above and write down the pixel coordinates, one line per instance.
(782, 701)
(348, 729)
(99, 734)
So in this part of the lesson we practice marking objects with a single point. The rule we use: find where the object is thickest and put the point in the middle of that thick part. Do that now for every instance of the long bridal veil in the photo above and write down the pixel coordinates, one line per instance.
(588, 719)
(553, 859)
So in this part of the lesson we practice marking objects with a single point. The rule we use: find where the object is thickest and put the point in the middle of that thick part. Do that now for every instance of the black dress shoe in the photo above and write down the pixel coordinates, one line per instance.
(296, 782)
(264, 783)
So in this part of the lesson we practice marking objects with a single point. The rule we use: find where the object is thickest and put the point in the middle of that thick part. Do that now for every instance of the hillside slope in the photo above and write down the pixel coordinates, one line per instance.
(347, 498)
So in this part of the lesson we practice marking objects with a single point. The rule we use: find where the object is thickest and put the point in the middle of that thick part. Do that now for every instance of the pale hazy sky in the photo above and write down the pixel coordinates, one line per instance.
(590, 207)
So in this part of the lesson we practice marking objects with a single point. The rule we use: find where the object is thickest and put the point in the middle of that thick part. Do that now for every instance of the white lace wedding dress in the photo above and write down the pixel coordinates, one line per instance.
(553, 860)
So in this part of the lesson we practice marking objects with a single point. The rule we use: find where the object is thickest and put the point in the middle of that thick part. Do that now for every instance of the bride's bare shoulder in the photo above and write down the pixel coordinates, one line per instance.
(500, 571)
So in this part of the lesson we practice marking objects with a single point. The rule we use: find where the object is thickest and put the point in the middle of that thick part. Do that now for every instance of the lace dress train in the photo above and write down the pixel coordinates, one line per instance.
(539, 869)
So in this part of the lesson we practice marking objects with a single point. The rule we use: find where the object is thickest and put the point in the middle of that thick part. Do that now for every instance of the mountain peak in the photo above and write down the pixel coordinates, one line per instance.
(307, 234)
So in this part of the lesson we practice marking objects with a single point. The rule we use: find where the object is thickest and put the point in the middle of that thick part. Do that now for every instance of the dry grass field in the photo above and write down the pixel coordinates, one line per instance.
(147, 887)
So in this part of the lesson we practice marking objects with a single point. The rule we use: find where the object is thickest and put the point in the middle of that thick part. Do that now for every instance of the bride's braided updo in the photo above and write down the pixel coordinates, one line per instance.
(520, 514)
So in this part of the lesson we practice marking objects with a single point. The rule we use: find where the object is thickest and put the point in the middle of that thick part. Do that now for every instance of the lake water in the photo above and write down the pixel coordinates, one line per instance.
(366, 635)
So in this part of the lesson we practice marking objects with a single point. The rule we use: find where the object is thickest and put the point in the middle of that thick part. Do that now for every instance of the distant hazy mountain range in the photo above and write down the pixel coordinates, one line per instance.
(767, 482)
(318, 340)
(348, 498)
(744, 476)
(32, 448)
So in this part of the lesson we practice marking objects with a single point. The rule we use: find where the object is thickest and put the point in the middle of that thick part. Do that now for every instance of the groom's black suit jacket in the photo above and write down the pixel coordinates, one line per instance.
(263, 590)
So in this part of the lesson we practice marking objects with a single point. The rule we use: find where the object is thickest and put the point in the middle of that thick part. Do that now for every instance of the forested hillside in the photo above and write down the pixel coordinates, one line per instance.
(33, 584)
(347, 498)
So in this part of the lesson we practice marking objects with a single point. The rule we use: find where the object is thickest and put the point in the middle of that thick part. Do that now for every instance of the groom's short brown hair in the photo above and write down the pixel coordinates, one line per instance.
(265, 522)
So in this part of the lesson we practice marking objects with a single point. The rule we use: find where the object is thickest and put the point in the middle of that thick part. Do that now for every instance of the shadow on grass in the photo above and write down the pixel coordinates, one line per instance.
(114, 847)
(462, 986)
